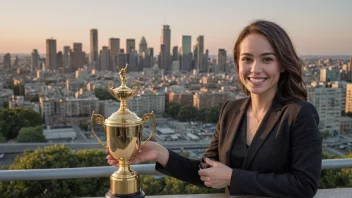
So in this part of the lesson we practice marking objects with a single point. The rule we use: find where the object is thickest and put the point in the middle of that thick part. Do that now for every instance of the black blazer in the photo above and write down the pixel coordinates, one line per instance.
(283, 160)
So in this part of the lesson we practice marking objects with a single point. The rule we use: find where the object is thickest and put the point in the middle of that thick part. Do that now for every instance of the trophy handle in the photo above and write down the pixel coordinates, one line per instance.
(100, 120)
(146, 118)
(110, 87)
(138, 88)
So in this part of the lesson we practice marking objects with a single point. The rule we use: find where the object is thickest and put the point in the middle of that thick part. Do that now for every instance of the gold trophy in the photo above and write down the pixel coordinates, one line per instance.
(123, 130)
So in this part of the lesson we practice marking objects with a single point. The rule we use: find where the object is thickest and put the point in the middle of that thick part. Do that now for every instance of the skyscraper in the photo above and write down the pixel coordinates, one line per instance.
(200, 52)
(185, 53)
(222, 60)
(78, 56)
(151, 55)
(143, 47)
(51, 54)
(59, 59)
(349, 71)
(175, 53)
(114, 46)
(105, 58)
(165, 39)
(7, 60)
(65, 59)
(93, 56)
(133, 62)
(144, 58)
(35, 60)
(122, 59)
(130, 45)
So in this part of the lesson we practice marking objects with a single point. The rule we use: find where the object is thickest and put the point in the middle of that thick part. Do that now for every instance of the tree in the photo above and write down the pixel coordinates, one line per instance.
(173, 109)
(2, 138)
(334, 178)
(187, 113)
(103, 94)
(12, 120)
(31, 134)
(57, 157)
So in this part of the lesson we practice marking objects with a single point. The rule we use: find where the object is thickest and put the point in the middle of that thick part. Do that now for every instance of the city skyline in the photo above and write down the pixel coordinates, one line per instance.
(315, 27)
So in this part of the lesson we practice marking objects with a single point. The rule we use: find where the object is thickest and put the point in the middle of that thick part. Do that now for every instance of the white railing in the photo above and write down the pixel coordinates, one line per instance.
(106, 171)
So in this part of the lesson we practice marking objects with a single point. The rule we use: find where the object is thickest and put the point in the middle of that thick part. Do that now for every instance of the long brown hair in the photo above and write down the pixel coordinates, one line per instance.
(290, 84)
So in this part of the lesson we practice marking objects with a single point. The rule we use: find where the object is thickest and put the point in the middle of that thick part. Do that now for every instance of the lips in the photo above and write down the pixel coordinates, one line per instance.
(257, 79)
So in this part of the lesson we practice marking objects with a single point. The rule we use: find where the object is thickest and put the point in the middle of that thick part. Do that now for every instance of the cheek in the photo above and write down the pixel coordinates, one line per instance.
(241, 71)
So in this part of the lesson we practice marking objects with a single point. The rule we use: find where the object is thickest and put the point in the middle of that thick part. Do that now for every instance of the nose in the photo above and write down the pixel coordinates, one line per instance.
(255, 68)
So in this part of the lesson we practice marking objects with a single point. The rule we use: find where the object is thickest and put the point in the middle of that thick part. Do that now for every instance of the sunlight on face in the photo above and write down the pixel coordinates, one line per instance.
(259, 69)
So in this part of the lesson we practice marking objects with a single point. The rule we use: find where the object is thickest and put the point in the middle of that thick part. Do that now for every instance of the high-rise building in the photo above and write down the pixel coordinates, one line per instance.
(144, 57)
(133, 62)
(349, 71)
(330, 74)
(35, 58)
(165, 47)
(151, 55)
(200, 53)
(51, 62)
(7, 60)
(143, 47)
(114, 46)
(185, 53)
(59, 59)
(66, 57)
(122, 59)
(222, 60)
(105, 58)
(348, 98)
(175, 56)
(78, 56)
(93, 56)
(327, 101)
(130, 45)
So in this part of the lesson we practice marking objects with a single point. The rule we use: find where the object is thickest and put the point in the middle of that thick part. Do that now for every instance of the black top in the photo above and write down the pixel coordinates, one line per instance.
(239, 147)
(288, 136)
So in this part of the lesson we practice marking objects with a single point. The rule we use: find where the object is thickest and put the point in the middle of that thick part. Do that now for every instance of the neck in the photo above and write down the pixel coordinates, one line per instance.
(261, 103)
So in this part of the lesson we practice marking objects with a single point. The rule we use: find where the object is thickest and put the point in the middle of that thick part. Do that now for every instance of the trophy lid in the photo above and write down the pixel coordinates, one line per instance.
(123, 118)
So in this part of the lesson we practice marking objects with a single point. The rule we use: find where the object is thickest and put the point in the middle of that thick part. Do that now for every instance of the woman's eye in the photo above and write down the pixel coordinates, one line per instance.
(246, 59)
(267, 59)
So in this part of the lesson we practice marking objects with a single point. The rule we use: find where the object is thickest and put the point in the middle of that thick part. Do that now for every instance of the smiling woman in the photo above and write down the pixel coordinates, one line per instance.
(265, 145)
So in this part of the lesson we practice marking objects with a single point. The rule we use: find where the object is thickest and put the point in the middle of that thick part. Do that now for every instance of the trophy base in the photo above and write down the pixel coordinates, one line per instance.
(140, 194)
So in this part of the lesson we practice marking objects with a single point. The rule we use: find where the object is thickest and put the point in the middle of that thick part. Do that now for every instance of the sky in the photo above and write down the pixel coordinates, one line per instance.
(316, 27)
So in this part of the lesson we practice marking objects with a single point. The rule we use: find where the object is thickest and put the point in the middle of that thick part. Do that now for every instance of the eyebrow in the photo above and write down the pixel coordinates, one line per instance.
(264, 54)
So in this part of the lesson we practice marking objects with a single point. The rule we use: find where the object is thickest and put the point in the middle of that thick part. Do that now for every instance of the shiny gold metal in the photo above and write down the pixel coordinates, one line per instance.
(123, 130)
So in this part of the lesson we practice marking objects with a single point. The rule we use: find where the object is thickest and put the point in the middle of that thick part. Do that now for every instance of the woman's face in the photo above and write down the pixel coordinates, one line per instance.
(259, 69)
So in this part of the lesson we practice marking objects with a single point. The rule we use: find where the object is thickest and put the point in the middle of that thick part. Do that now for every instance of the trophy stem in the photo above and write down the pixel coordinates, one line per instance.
(123, 105)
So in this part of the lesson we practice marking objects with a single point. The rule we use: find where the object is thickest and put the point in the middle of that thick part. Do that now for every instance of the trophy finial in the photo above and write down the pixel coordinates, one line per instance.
(122, 75)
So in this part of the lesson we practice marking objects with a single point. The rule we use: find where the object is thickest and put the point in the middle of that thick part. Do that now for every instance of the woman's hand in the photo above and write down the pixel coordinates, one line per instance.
(152, 151)
(217, 176)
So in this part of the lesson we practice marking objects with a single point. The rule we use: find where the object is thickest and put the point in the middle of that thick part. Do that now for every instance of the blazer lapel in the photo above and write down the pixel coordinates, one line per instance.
(266, 126)
(232, 129)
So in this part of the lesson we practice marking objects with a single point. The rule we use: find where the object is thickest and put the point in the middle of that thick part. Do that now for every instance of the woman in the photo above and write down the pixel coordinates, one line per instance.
(265, 145)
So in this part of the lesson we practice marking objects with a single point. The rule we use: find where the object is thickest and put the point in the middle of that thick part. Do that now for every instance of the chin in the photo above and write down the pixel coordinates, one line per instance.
(257, 91)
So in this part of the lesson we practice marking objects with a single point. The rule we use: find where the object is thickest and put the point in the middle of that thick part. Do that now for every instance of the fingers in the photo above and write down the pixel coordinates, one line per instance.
(205, 179)
(208, 184)
(112, 161)
(109, 157)
(203, 172)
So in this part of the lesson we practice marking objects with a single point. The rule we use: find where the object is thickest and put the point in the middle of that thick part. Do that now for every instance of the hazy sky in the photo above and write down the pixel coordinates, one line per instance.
(315, 26)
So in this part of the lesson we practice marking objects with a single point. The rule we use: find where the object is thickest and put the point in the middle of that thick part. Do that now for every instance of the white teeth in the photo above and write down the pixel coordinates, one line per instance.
(256, 80)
